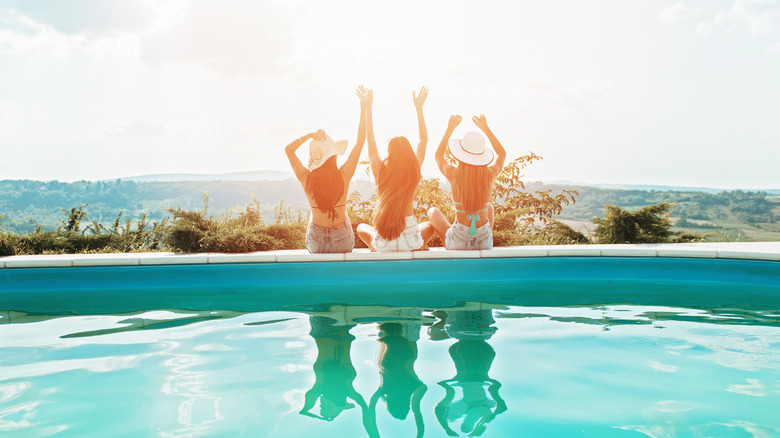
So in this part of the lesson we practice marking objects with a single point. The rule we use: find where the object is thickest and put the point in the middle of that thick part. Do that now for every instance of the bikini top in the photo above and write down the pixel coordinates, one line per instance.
(331, 214)
(473, 217)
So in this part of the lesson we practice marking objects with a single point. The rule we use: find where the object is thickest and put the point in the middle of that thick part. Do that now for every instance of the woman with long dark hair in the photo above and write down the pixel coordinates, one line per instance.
(471, 180)
(397, 178)
(327, 185)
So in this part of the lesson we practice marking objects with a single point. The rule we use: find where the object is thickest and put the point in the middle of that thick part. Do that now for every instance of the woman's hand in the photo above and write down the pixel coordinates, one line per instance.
(454, 122)
(318, 135)
(419, 99)
(366, 96)
(481, 122)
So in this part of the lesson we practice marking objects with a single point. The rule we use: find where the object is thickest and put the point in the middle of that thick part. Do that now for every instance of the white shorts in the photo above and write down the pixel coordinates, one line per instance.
(409, 240)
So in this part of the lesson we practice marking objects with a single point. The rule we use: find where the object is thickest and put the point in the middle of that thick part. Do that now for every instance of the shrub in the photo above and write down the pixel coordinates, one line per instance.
(7, 244)
(552, 233)
(649, 224)
(195, 231)
(70, 238)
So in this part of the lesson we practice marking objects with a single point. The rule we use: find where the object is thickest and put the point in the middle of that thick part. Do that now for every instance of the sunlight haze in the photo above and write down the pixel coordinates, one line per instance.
(656, 92)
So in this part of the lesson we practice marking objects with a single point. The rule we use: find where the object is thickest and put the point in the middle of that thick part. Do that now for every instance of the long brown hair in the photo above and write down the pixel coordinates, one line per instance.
(473, 186)
(326, 186)
(396, 185)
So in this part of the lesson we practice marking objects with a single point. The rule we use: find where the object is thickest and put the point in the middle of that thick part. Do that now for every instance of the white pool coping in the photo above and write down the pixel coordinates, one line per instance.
(721, 250)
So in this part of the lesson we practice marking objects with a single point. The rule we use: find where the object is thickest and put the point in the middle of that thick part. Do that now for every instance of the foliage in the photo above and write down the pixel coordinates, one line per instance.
(21, 199)
(530, 208)
(552, 233)
(359, 212)
(69, 238)
(649, 224)
(128, 216)
(431, 194)
(196, 231)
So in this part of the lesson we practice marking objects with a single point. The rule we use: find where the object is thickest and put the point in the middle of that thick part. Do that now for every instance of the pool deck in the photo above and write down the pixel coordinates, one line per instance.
(769, 251)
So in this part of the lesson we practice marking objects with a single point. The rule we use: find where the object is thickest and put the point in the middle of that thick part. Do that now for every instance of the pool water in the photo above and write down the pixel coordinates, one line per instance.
(486, 368)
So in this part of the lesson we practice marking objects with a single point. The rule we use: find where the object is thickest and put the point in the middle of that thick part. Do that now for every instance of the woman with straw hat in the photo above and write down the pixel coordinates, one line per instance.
(471, 180)
(327, 185)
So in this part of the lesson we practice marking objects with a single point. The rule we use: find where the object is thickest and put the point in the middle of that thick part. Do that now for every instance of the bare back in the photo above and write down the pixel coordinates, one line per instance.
(320, 217)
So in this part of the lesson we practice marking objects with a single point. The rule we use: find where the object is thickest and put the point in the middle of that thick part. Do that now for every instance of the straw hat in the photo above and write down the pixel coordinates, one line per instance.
(321, 150)
(471, 149)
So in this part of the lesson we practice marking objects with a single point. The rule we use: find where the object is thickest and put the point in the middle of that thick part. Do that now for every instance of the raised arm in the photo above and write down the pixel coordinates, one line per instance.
(418, 417)
(348, 168)
(419, 101)
(445, 167)
(373, 153)
(301, 172)
(497, 165)
(309, 400)
(369, 415)
(444, 405)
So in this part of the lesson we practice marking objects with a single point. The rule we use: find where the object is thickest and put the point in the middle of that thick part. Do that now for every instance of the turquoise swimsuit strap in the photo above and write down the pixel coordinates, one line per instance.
(473, 217)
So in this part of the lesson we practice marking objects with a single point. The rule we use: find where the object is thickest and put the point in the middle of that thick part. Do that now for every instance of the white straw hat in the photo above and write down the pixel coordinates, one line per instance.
(471, 149)
(321, 150)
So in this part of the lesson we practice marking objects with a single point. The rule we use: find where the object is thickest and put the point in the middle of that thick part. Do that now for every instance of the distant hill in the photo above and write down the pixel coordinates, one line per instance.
(255, 175)
(279, 175)
(25, 204)
(656, 188)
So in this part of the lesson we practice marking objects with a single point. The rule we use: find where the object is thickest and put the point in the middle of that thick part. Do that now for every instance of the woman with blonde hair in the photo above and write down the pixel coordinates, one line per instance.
(471, 180)
(326, 185)
(397, 179)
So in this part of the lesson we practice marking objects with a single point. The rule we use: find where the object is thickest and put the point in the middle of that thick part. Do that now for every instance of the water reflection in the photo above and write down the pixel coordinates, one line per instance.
(401, 389)
(479, 401)
(333, 370)
(471, 397)
(465, 402)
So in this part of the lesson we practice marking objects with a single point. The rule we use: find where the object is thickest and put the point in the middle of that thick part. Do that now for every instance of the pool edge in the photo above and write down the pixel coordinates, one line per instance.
(766, 251)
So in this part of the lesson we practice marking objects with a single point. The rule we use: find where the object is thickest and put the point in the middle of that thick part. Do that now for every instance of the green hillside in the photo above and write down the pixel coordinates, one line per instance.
(727, 215)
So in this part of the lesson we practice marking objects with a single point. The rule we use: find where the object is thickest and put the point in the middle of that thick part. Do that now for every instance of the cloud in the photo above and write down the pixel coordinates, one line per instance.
(230, 37)
(137, 129)
(14, 21)
(773, 50)
(677, 12)
(81, 16)
(751, 17)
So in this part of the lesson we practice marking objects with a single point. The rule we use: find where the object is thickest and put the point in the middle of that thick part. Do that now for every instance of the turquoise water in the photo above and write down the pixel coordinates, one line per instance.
(344, 371)
(496, 348)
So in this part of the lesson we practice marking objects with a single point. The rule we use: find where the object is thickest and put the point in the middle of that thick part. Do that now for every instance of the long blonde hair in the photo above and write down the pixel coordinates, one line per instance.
(396, 185)
(326, 186)
(473, 186)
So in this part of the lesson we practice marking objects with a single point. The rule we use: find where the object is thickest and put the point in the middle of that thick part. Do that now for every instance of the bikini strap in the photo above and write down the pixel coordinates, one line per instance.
(332, 215)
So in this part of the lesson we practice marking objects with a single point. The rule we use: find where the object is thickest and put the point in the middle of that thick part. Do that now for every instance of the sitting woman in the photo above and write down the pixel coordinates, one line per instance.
(397, 179)
(471, 179)
(326, 185)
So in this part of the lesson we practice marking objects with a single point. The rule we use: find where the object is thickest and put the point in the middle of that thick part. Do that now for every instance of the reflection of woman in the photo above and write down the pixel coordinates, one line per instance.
(473, 357)
(326, 185)
(333, 371)
(401, 389)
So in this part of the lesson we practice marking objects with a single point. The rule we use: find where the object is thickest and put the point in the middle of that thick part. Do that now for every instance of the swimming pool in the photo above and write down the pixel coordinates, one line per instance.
(513, 343)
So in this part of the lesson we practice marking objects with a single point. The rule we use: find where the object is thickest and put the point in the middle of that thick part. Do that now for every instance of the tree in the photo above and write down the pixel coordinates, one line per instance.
(511, 199)
(649, 224)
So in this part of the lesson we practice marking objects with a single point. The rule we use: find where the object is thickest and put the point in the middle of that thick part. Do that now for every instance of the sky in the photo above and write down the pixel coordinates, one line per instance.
(660, 92)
